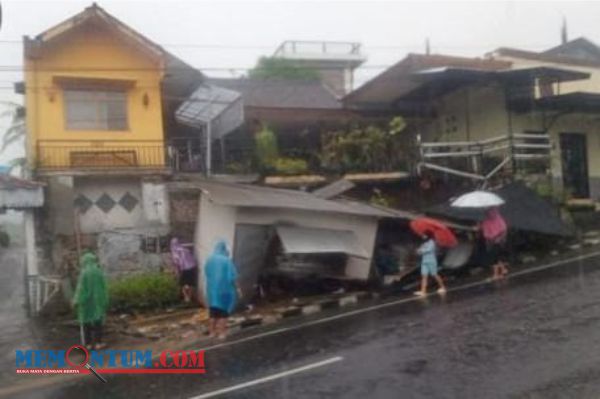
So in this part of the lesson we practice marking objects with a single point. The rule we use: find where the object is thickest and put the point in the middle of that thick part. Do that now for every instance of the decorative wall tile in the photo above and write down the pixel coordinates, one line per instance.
(128, 201)
(105, 203)
(83, 203)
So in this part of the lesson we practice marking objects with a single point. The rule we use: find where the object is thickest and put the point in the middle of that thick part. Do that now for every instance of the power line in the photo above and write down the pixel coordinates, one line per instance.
(19, 68)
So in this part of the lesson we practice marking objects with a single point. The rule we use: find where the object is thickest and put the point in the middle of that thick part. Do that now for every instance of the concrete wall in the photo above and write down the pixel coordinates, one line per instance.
(155, 203)
(214, 222)
(121, 203)
(115, 214)
(97, 218)
(59, 212)
(121, 253)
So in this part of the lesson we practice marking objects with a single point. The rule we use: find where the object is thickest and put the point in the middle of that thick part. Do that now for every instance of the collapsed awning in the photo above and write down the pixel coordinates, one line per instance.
(301, 240)
(524, 210)
(210, 106)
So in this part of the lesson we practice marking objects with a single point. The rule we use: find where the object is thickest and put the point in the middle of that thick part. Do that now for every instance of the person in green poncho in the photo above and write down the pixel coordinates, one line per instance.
(91, 300)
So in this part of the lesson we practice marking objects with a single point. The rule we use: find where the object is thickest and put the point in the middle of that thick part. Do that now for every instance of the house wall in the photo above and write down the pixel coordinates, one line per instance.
(487, 117)
(91, 52)
(471, 113)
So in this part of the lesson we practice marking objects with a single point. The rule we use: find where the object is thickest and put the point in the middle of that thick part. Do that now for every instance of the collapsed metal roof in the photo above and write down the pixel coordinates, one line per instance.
(241, 195)
(210, 106)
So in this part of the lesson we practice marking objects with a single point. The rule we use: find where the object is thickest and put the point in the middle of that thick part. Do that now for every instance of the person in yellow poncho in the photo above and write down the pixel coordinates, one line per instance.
(91, 300)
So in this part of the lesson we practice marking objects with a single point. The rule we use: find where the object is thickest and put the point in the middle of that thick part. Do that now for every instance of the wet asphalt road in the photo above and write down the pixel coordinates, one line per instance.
(534, 336)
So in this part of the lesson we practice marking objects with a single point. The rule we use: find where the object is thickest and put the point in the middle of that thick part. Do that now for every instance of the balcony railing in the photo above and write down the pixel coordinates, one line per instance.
(100, 154)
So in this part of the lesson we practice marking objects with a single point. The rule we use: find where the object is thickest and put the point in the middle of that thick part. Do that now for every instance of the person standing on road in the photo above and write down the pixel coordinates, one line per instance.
(91, 300)
(222, 289)
(494, 231)
(429, 265)
(186, 266)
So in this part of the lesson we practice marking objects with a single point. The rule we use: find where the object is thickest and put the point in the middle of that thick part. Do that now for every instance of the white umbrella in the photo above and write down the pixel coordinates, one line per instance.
(477, 199)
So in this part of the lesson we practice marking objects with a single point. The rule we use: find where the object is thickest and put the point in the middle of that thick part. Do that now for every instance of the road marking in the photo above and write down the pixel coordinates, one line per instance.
(399, 302)
(269, 378)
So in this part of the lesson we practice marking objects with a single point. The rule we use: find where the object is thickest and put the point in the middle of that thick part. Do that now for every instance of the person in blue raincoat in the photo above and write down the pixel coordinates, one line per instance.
(222, 289)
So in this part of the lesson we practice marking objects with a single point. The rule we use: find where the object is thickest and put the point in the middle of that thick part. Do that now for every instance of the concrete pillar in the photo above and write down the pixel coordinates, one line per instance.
(31, 264)
(30, 245)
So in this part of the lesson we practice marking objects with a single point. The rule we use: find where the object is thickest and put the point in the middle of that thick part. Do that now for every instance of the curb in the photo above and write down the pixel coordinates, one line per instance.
(243, 322)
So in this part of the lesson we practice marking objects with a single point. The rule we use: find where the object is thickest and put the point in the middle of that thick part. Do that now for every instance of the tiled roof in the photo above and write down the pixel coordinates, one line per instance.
(281, 93)
(396, 81)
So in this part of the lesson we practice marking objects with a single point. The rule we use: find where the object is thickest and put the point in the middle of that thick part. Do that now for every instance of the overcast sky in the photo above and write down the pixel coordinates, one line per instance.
(227, 34)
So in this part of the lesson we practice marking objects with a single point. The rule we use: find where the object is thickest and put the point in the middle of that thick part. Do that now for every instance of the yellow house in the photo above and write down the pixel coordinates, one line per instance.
(100, 101)
(93, 96)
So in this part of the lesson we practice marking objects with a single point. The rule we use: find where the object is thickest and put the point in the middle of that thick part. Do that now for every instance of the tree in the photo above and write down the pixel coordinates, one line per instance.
(280, 68)
(15, 133)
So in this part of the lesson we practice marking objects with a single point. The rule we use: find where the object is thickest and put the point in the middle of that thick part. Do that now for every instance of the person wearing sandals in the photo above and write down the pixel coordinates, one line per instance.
(91, 300)
(222, 289)
(429, 265)
(494, 232)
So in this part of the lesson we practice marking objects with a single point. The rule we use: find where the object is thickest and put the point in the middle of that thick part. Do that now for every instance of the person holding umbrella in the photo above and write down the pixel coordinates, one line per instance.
(429, 264)
(434, 233)
(494, 231)
(493, 228)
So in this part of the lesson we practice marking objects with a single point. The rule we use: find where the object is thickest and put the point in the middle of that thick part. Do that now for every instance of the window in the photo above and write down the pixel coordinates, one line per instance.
(95, 110)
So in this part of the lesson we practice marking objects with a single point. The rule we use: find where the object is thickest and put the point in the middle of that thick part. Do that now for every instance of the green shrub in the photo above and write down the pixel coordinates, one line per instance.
(290, 166)
(143, 291)
(266, 148)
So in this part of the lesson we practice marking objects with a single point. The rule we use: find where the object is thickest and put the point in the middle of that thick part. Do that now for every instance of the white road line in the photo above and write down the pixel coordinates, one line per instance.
(269, 378)
(399, 301)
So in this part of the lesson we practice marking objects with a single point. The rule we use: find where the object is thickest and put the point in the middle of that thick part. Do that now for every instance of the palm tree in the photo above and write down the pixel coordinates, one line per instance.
(15, 133)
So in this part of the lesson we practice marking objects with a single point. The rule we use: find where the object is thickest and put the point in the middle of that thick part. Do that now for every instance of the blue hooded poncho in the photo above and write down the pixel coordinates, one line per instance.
(221, 274)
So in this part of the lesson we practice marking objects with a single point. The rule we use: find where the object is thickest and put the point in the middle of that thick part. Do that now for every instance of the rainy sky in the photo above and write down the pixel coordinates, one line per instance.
(225, 37)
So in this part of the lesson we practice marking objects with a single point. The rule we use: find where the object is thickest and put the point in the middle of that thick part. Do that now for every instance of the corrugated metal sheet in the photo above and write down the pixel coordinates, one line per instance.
(265, 197)
(300, 240)
(334, 189)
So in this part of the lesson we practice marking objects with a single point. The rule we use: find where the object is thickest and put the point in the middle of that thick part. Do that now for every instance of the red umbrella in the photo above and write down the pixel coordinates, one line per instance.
(442, 234)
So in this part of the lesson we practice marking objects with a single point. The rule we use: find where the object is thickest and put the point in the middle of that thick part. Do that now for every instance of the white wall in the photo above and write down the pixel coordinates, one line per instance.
(148, 211)
(214, 222)
(94, 219)
(155, 203)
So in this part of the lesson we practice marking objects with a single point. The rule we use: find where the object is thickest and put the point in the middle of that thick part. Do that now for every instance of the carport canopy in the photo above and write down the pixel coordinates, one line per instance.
(302, 240)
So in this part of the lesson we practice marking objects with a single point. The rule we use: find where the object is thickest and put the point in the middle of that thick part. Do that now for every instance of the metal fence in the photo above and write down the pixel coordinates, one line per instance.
(100, 154)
